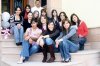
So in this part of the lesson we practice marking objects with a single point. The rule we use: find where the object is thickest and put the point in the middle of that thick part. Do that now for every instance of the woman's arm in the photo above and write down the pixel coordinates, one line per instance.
(54, 34)
(70, 34)
(26, 35)
(60, 36)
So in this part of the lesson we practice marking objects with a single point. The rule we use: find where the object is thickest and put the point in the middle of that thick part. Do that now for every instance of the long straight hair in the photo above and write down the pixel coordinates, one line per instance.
(53, 12)
(40, 23)
(64, 31)
(78, 20)
(64, 15)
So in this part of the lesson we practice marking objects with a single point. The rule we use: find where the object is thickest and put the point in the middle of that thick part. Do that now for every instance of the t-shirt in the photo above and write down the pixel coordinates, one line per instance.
(36, 9)
(33, 33)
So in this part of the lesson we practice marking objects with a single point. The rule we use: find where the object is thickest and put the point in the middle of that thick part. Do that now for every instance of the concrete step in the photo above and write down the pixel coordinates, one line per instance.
(11, 43)
(14, 63)
(86, 56)
(98, 65)
(10, 52)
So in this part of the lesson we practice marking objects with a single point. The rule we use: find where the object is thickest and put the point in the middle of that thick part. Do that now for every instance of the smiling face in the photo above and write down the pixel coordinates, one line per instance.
(30, 16)
(51, 26)
(43, 20)
(43, 13)
(54, 13)
(62, 16)
(34, 24)
(18, 11)
(27, 9)
(66, 25)
(75, 19)
(36, 14)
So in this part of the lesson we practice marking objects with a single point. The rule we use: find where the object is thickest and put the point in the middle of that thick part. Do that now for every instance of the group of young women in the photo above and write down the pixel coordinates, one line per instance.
(36, 32)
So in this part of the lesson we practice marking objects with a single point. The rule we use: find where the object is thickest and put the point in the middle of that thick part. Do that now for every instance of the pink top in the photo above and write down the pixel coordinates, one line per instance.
(33, 33)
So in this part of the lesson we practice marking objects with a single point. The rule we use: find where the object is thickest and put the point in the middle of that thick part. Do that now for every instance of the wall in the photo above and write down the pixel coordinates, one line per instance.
(87, 10)
(31, 2)
(54, 4)
(0, 31)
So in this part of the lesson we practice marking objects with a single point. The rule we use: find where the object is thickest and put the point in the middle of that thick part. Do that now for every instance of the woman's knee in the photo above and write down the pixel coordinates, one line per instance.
(35, 47)
(49, 41)
(61, 44)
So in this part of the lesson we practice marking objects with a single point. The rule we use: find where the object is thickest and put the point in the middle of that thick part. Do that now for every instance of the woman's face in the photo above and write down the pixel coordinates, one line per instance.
(62, 16)
(66, 25)
(43, 13)
(43, 20)
(34, 24)
(18, 11)
(36, 14)
(75, 19)
(51, 26)
(27, 9)
(54, 13)
(30, 16)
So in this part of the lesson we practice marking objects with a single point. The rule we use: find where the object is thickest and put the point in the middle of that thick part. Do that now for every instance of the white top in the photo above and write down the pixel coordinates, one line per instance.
(36, 9)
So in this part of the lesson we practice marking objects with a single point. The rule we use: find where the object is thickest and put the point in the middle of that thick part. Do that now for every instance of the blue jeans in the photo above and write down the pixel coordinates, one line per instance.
(66, 47)
(49, 41)
(18, 34)
(82, 41)
(28, 50)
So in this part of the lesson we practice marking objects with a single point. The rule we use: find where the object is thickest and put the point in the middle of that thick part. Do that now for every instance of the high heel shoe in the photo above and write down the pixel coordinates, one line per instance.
(68, 60)
(21, 60)
(44, 59)
(63, 60)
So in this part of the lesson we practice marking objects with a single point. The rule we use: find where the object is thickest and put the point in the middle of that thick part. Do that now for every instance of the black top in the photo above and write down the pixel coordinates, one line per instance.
(53, 34)
(56, 23)
(26, 25)
(14, 22)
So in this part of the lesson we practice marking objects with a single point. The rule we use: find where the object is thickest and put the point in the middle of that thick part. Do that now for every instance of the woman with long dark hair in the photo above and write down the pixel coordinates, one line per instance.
(25, 12)
(62, 16)
(16, 22)
(82, 30)
(27, 23)
(67, 41)
(48, 39)
(55, 19)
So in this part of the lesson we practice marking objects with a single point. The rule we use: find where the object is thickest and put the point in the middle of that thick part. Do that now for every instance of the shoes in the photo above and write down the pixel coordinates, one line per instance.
(21, 60)
(44, 50)
(44, 60)
(67, 60)
(51, 60)
(63, 60)
(51, 50)
(19, 43)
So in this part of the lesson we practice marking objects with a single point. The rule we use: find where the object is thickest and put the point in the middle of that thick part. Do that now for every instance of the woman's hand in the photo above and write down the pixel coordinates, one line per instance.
(27, 37)
(19, 26)
(30, 41)
(57, 43)
(46, 36)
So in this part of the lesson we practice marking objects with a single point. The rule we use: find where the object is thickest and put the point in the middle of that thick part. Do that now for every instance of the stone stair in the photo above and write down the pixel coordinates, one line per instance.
(89, 57)
(11, 53)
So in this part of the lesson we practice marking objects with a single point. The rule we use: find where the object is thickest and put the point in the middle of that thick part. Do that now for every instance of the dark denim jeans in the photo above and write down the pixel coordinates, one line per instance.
(82, 41)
